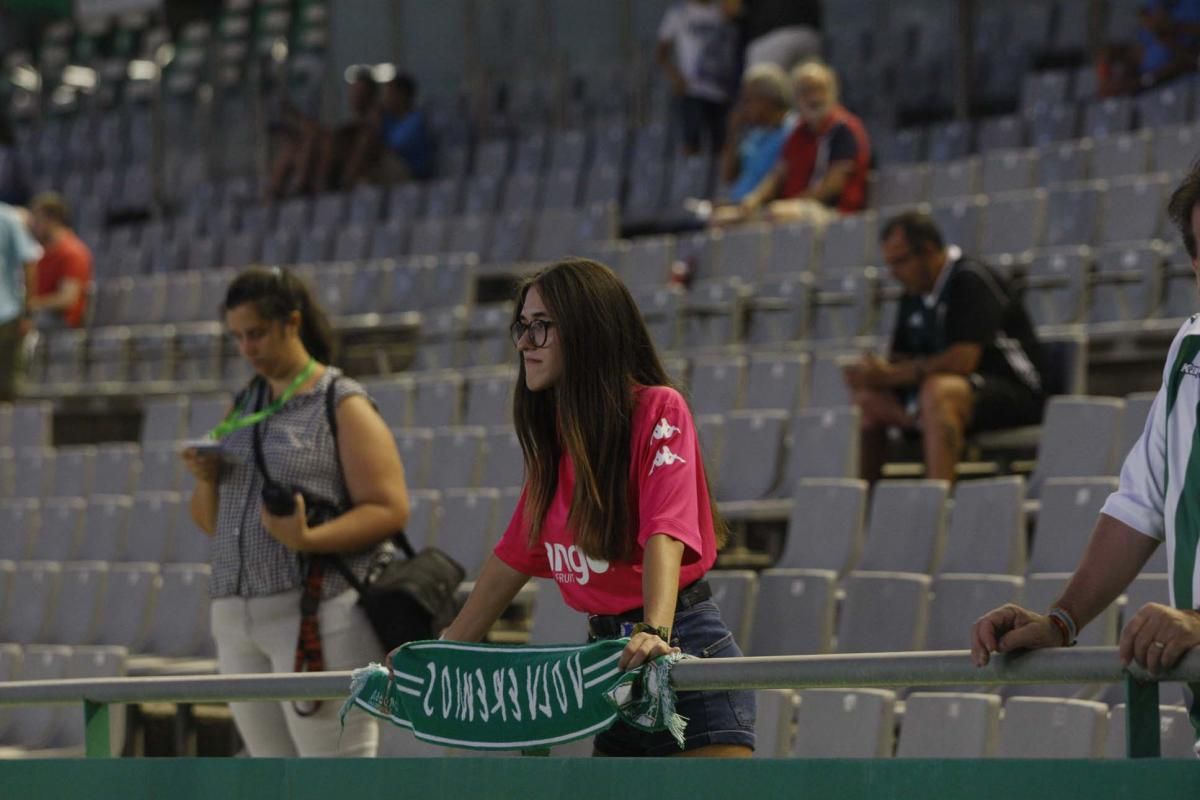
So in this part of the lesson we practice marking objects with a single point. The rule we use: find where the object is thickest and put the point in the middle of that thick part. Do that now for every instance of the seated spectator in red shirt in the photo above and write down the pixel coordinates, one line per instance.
(57, 285)
(823, 169)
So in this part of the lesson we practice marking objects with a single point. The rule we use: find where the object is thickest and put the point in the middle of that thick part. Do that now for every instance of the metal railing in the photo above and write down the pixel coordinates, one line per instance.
(860, 670)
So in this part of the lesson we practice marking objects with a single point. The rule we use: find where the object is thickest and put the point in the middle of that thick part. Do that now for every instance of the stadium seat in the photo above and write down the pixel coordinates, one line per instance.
(1126, 285)
(843, 305)
(775, 725)
(778, 310)
(954, 179)
(960, 220)
(153, 523)
(900, 185)
(735, 591)
(34, 727)
(1175, 148)
(959, 599)
(415, 446)
(774, 380)
(752, 454)
(793, 613)
(162, 468)
(61, 527)
(554, 622)
(33, 600)
(883, 611)
(793, 249)
(437, 400)
(1013, 222)
(457, 452)
(92, 662)
(179, 626)
(1120, 155)
(850, 242)
(1039, 727)
(742, 252)
(467, 531)
(1176, 736)
(30, 424)
(1056, 284)
(827, 385)
(1133, 421)
(1008, 170)
(826, 525)
(1079, 439)
(822, 443)
(82, 598)
(1069, 508)
(716, 383)
(104, 528)
(845, 723)
(987, 527)
(906, 527)
(1064, 162)
(1132, 208)
(949, 726)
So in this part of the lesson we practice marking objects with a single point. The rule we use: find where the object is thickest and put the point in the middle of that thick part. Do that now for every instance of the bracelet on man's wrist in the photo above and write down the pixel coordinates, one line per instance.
(1065, 624)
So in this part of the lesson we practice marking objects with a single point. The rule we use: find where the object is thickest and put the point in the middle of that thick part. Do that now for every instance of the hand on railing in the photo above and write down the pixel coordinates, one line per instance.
(1158, 636)
(1009, 628)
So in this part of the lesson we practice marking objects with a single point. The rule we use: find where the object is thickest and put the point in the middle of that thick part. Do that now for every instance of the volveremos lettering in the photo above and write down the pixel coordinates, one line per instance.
(571, 565)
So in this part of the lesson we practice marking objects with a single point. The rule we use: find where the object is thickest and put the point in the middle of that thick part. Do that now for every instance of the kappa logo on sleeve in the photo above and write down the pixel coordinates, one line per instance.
(665, 458)
(663, 430)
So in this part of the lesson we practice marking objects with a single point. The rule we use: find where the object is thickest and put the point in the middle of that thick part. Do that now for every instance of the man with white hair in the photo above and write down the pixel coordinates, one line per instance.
(758, 127)
(825, 160)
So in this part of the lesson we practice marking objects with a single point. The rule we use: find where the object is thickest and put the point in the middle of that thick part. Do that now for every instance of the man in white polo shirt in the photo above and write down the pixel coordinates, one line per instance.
(1158, 501)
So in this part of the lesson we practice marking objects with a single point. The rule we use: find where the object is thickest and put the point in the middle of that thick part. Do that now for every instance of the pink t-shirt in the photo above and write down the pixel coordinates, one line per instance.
(667, 494)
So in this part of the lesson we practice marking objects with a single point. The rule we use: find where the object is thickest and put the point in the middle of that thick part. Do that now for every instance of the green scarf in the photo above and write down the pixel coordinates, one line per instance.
(510, 697)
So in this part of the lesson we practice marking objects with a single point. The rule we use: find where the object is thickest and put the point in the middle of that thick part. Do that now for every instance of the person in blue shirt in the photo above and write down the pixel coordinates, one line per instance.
(758, 128)
(19, 253)
(405, 132)
(1165, 45)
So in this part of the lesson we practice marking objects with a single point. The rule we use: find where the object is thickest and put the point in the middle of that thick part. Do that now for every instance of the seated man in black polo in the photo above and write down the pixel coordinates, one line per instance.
(964, 356)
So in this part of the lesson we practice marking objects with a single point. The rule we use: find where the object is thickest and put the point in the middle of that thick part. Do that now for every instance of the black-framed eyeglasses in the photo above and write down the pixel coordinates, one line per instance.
(538, 330)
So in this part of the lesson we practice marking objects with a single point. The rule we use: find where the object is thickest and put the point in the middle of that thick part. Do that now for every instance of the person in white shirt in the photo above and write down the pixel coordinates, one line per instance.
(1158, 501)
(697, 48)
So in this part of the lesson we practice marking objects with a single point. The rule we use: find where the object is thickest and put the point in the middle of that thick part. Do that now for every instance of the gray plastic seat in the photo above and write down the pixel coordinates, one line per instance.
(470, 234)
(1109, 116)
(116, 469)
(907, 526)
(900, 185)
(949, 726)
(522, 193)
(735, 591)
(827, 384)
(959, 599)
(456, 458)
(35, 476)
(82, 598)
(1042, 727)
(162, 468)
(91, 662)
(153, 521)
(489, 397)
(1056, 286)
(775, 381)
(561, 189)
(1013, 222)
(442, 198)
(960, 219)
(1127, 283)
(61, 526)
(1072, 213)
(1079, 439)
(778, 310)
(716, 382)
(775, 725)
(481, 195)
(437, 400)
(742, 252)
(1008, 170)
(279, 247)
(793, 249)
(104, 528)
(1176, 736)
(602, 184)
(30, 424)
(415, 446)
(126, 623)
(1069, 509)
(205, 413)
(953, 179)
(1132, 208)
(1120, 155)
(36, 584)
(34, 727)
(850, 241)
(429, 235)
(554, 622)
(752, 454)
(843, 305)
(179, 626)
(73, 471)
(351, 243)
(393, 398)
(424, 513)
(823, 443)
(645, 196)
(467, 531)
(844, 723)
(884, 611)
(568, 150)
(647, 262)
(503, 463)
(21, 520)
(825, 528)
(793, 613)
(987, 527)
(1175, 148)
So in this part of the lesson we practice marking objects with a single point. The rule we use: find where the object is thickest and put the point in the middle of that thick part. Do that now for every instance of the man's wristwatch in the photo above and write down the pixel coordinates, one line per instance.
(661, 632)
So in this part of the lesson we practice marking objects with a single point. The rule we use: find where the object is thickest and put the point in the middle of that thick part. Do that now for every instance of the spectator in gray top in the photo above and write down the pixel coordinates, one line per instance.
(261, 563)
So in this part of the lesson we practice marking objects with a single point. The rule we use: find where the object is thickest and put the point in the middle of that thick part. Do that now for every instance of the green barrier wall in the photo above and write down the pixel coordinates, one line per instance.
(584, 779)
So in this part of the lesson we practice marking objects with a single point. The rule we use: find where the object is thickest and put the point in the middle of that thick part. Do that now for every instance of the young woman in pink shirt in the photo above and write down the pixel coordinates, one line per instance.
(616, 507)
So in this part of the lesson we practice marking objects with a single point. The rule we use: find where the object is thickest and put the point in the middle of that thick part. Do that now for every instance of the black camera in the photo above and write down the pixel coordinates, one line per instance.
(280, 501)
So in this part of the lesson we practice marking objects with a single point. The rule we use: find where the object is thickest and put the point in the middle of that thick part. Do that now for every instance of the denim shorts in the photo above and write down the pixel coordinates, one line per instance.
(713, 717)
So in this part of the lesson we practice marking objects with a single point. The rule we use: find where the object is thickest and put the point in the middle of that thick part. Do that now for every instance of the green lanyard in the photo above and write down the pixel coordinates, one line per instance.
(237, 420)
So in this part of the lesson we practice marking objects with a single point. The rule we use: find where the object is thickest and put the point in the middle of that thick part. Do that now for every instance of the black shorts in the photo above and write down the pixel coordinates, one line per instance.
(1003, 403)
(997, 403)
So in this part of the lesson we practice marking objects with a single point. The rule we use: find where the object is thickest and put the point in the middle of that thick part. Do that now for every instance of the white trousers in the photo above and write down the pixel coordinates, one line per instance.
(258, 634)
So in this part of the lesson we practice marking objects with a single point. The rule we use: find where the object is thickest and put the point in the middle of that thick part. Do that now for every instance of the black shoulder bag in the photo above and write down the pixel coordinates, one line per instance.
(405, 599)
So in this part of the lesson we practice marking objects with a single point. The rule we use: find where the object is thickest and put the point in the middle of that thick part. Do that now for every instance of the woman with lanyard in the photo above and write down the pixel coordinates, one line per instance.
(615, 507)
(259, 569)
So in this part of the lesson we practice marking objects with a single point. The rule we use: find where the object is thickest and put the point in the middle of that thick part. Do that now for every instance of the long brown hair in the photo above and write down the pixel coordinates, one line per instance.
(606, 352)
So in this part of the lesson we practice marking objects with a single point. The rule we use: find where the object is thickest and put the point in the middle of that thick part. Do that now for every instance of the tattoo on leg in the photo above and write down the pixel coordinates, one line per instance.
(952, 438)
